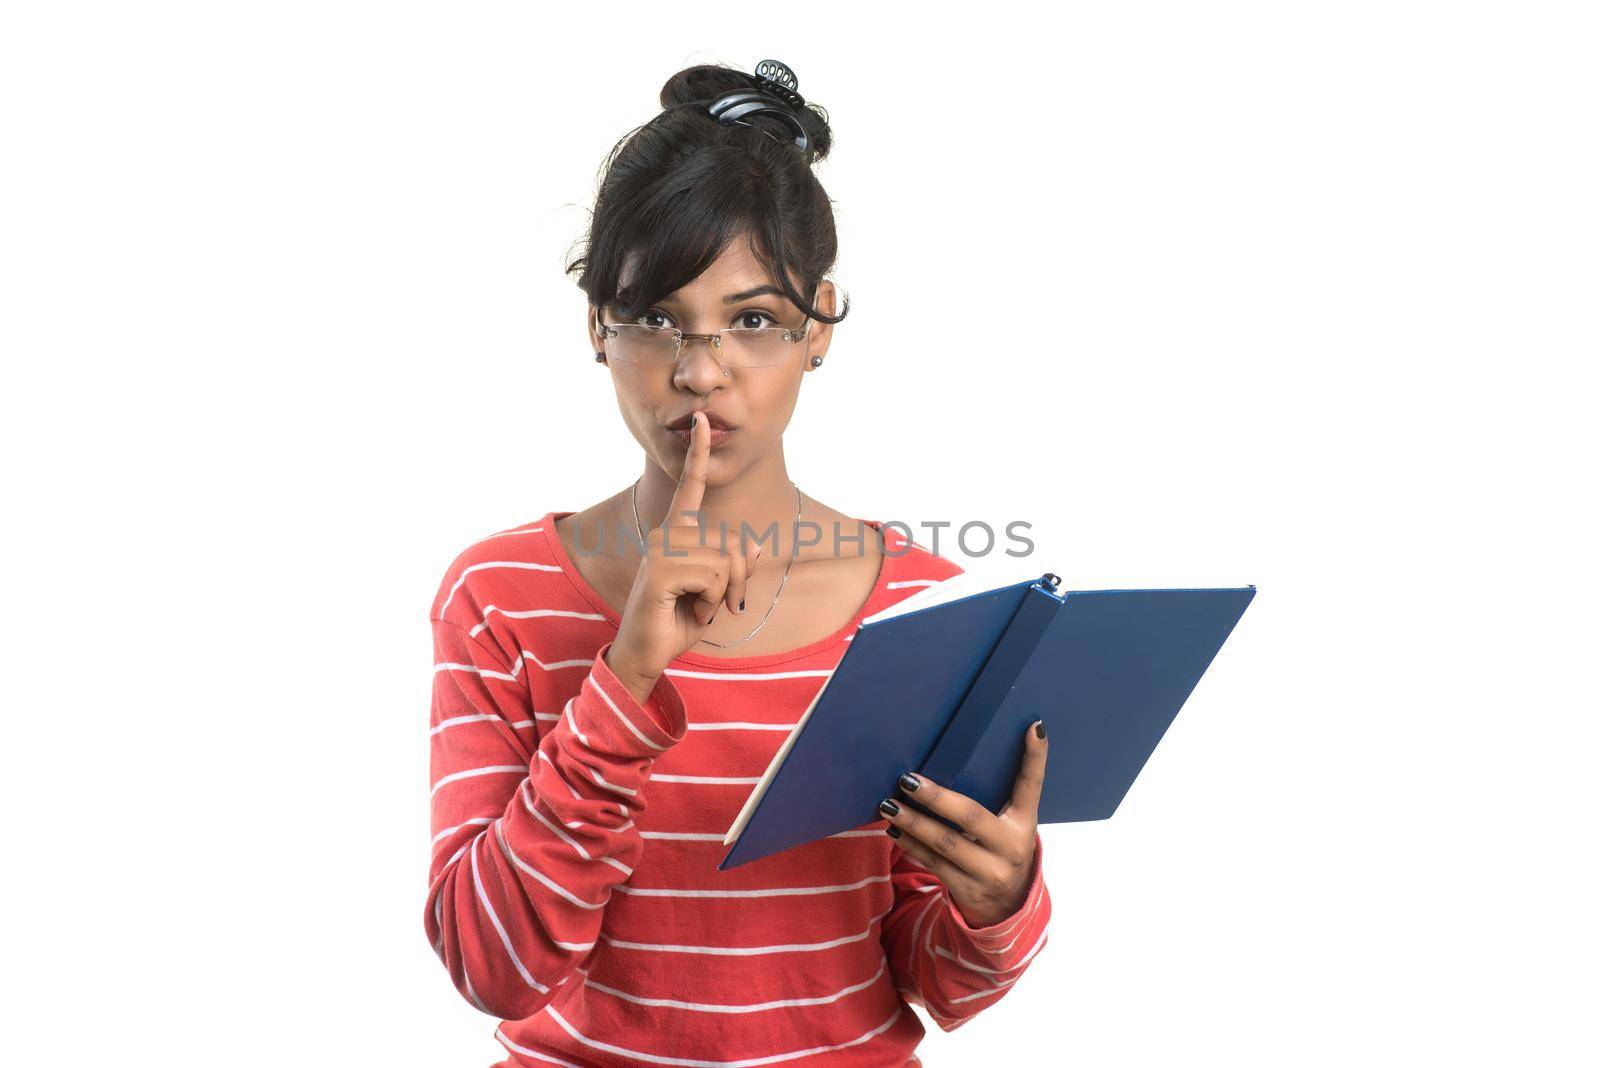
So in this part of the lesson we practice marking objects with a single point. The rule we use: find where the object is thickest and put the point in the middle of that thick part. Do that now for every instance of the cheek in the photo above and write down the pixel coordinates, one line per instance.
(773, 403)
(634, 403)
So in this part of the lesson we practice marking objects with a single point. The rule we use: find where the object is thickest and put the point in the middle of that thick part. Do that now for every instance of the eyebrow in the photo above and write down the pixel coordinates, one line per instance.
(735, 298)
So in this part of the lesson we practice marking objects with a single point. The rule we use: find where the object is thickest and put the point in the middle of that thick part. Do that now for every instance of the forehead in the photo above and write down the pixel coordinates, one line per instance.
(735, 269)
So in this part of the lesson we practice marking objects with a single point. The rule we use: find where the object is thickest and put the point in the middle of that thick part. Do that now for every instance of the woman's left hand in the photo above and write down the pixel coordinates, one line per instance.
(986, 860)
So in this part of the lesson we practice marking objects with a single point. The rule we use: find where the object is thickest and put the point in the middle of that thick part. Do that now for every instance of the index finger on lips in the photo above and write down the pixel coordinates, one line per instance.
(685, 506)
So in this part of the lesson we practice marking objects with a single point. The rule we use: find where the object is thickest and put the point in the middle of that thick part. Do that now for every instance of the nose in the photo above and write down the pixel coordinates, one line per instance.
(699, 366)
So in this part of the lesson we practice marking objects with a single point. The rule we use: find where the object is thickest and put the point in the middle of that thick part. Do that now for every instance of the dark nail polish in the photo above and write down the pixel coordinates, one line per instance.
(888, 807)
(894, 832)
(741, 604)
(908, 783)
(1038, 728)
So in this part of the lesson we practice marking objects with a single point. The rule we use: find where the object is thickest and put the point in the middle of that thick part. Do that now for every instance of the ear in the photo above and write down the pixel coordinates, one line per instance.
(596, 343)
(821, 335)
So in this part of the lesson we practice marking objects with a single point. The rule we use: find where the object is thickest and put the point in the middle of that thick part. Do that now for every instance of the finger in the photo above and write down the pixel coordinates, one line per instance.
(969, 817)
(732, 595)
(702, 584)
(947, 872)
(682, 512)
(711, 596)
(1025, 792)
(740, 566)
(948, 842)
(739, 585)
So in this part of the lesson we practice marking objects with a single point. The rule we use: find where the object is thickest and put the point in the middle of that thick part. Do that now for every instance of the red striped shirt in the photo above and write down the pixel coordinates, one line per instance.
(574, 891)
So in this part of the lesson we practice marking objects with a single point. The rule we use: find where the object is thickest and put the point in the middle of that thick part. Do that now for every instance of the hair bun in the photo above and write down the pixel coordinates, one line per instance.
(701, 84)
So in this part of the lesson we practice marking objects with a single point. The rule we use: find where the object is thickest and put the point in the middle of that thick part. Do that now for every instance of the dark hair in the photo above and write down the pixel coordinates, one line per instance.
(679, 189)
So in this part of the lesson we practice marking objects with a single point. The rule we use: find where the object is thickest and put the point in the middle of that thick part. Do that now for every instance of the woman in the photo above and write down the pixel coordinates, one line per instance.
(592, 740)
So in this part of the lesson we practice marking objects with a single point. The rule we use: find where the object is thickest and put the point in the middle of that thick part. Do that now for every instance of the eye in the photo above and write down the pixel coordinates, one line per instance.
(647, 319)
(754, 320)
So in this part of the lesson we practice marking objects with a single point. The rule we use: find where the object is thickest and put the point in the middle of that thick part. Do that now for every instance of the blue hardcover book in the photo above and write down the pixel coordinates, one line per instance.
(946, 681)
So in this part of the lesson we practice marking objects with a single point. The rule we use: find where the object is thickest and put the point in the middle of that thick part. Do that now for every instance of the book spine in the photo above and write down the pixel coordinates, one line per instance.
(1010, 655)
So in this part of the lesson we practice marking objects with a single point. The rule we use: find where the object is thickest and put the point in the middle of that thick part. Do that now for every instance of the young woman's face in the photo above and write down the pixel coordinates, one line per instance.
(755, 401)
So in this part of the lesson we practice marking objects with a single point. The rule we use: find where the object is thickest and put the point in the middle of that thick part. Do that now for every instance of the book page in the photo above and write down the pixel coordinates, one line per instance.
(951, 589)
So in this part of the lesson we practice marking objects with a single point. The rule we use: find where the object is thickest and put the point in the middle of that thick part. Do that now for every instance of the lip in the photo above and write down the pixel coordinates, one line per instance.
(715, 421)
(718, 435)
(720, 429)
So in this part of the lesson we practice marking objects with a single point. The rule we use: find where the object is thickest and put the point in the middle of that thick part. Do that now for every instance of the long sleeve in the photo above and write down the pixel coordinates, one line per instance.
(528, 841)
(940, 962)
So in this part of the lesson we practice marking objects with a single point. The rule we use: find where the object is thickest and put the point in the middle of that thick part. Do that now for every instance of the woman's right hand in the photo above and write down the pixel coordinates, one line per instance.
(680, 585)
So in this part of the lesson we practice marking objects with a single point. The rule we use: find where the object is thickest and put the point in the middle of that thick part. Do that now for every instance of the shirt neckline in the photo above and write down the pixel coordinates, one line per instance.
(894, 550)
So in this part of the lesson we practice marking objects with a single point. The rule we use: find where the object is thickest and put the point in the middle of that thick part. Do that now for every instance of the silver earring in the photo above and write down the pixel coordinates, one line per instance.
(816, 361)
(599, 357)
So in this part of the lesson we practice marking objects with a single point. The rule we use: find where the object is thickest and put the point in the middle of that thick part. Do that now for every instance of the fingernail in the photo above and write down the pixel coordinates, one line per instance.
(908, 782)
(1038, 728)
(741, 604)
(888, 807)
(894, 832)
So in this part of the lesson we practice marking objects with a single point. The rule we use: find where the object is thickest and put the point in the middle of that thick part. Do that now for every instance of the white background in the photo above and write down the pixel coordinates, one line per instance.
(1285, 294)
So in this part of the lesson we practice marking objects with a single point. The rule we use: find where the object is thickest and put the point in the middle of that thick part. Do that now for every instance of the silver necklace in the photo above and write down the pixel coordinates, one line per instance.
(799, 506)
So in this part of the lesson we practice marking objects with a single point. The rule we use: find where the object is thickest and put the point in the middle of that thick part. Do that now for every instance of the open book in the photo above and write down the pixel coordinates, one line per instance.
(944, 683)
(956, 586)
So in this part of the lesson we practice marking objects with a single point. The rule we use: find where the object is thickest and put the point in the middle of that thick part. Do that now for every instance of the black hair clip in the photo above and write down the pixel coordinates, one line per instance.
(778, 79)
(774, 90)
